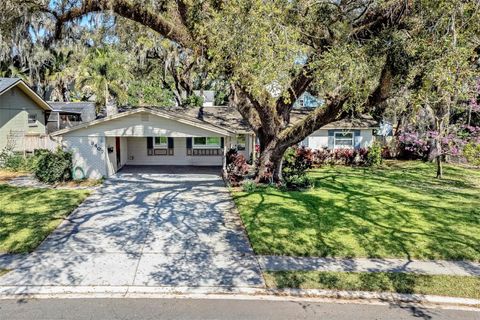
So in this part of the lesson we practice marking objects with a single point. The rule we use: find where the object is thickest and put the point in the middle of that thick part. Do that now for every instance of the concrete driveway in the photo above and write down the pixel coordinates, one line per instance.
(147, 226)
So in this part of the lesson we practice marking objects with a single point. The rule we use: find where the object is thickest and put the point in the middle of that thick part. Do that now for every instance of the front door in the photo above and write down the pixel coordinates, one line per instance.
(117, 147)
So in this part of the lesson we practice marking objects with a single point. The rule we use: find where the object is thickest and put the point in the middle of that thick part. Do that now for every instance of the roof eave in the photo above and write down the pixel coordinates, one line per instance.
(29, 92)
(207, 127)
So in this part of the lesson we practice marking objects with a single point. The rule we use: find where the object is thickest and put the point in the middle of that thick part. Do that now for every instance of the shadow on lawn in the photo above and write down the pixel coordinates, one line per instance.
(381, 213)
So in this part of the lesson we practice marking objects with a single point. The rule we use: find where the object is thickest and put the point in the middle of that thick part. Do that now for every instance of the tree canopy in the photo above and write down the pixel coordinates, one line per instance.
(357, 56)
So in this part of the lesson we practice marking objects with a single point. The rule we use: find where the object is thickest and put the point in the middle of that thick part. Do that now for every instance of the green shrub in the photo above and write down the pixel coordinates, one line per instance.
(193, 101)
(14, 161)
(296, 162)
(53, 167)
(374, 155)
(471, 151)
(249, 186)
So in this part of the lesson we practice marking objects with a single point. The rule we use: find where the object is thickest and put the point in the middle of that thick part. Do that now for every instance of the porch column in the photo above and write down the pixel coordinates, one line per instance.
(253, 145)
(224, 162)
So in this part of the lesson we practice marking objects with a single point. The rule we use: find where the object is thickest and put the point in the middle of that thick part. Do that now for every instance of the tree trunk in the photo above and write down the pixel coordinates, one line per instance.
(439, 167)
(269, 165)
(277, 169)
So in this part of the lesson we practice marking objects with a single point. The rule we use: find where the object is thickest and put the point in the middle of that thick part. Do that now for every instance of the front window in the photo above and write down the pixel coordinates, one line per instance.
(206, 142)
(241, 142)
(32, 120)
(160, 142)
(343, 140)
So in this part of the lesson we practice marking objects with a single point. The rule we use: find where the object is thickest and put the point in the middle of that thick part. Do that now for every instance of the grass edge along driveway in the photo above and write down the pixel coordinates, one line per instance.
(397, 211)
(29, 215)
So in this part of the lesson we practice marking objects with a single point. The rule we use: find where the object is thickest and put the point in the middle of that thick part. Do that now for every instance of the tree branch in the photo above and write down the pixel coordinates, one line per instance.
(375, 21)
(316, 119)
(244, 106)
(174, 31)
(298, 86)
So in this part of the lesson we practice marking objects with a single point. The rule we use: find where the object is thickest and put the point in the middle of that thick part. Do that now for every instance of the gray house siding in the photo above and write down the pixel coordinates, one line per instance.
(15, 106)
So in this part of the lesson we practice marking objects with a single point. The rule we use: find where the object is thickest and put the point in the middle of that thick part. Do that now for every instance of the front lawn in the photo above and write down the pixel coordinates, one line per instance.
(452, 286)
(399, 210)
(28, 215)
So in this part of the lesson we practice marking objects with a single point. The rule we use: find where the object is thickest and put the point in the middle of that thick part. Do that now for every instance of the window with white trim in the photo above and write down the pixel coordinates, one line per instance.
(343, 140)
(160, 142)
(32, 119)
(206, 142)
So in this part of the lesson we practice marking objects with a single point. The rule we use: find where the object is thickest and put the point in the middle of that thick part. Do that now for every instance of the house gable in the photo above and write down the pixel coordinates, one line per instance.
(143, 123)
(16, 108)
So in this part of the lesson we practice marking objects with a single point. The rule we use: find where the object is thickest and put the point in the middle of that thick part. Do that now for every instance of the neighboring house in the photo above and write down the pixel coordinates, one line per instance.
(208, 97)
(69, 114)
(306, 100)
(22, 115)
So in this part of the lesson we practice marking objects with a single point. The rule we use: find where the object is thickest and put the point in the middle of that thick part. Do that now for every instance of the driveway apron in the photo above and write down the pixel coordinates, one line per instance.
(147, 228)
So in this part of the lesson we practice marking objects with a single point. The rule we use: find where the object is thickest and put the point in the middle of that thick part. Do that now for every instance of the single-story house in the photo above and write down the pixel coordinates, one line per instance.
(143, 136)
(162, 136)
(22, 114)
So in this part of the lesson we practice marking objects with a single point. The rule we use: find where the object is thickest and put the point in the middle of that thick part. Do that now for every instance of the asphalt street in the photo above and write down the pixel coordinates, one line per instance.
(109, 309)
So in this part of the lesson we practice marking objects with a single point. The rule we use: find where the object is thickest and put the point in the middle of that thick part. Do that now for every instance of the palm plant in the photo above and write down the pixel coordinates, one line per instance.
(60, 74)
(104, 74)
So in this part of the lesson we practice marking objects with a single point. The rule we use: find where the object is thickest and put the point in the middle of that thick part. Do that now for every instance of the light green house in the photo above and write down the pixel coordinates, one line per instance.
(22, 114)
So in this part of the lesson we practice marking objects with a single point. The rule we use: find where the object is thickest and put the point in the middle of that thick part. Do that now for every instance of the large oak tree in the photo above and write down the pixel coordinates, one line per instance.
(351, 53)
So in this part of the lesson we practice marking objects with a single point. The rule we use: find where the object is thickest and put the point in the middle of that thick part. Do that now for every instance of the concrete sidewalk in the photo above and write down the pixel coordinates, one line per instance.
(439, 267)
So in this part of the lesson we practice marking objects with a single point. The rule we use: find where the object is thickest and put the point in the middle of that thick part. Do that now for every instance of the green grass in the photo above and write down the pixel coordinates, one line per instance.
(28, 215)
(399, 210)
(452, 286)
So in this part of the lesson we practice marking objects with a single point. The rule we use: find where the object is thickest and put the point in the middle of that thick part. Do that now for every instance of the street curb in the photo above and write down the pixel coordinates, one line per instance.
(70, 292)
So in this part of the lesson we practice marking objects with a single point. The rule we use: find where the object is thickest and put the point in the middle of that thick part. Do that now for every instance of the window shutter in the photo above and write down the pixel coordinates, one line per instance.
(356, 139)
(170, 143)
(149, 142)
(222, 142)
(189, 143)
(331, 137)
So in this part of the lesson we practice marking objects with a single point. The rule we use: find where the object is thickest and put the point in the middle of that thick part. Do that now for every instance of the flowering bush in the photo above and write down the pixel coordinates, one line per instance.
(344, 156)
(418, 144)
(237, 167)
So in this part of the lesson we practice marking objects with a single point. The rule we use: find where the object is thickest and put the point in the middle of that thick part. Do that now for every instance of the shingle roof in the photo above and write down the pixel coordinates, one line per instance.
(70, 106)
(6, 83)
(230, 118)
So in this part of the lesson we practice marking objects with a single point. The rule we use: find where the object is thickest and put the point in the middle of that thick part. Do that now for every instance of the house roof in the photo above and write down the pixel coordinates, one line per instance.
(8, 83)
(164, 113)
(73, 107)
(230, 118)
(360, 122)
